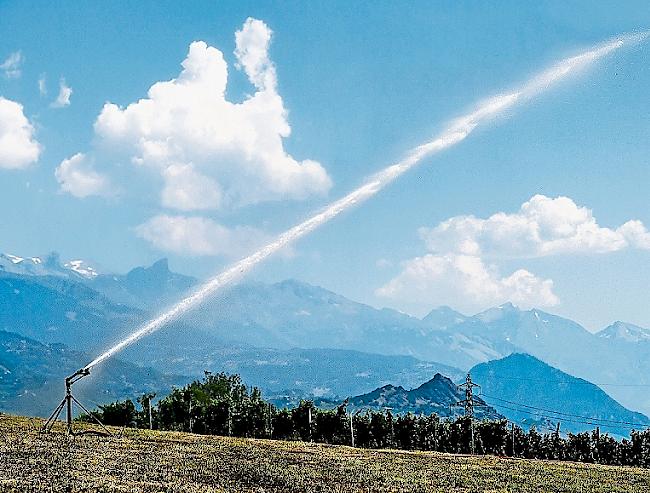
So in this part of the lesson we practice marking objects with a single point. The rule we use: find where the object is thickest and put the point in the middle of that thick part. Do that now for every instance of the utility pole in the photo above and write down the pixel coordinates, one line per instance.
(270, 421)
(392, 426)
(191, 421)
(229, 411)
(151, 396)
(513, 440)
(229, 420)
(351, 431)
(145, 402)
(468, 404)
(309, 421)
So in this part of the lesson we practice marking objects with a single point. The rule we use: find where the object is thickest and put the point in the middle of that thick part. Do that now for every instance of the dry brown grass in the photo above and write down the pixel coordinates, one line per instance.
(143, 461)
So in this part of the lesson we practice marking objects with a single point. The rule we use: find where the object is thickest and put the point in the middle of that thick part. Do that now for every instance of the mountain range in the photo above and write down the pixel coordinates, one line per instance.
(57, 314)
(293, 336)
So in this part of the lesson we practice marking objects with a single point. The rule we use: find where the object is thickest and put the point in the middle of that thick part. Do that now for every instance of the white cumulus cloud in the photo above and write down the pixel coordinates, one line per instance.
(459, 267)
(77, 177)
(636, 234)
(252, 52)
(187, 190)
(212, 153)
(465, 282)
(12, 65)
(199, 236)
(543, 226)
(63, 98)
(18, 146)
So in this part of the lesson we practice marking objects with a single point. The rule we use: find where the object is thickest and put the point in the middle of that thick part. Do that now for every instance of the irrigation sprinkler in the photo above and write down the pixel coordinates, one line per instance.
(68, 400)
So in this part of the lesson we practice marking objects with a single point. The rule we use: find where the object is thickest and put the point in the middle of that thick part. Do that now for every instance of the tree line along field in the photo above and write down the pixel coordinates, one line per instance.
(153, 461)
(221, 404)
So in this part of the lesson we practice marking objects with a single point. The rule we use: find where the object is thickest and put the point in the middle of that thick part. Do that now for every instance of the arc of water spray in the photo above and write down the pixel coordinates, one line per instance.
(455, 133)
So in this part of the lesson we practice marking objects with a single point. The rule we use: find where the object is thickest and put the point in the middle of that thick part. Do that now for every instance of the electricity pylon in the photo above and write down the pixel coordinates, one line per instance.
(468, 404)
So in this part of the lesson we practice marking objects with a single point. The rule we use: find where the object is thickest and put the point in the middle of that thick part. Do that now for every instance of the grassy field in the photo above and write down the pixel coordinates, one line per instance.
(143, 461)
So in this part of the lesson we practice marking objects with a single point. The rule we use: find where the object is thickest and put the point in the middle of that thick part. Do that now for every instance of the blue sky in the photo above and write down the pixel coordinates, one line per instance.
(361, 84)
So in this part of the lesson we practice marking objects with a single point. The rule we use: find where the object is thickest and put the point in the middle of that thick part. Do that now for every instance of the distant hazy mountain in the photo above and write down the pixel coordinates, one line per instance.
(443, 317)
(526, 390)
(32, 374)
(564, 344)
(145, 287)
(58, 309)
(295, 314)
(310, 372)
(436, 396)
(621, 331)
(503, 330)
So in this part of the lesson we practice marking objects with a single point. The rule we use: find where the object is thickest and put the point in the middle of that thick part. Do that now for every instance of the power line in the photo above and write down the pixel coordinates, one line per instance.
(563, 382)
(566, 420)
(563, 413)
(592, 419)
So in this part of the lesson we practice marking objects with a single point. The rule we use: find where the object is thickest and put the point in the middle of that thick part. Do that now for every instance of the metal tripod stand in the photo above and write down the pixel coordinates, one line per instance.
(67, 403)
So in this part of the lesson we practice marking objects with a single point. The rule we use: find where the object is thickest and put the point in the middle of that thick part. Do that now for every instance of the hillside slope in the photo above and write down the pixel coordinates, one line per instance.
(312, 372)
(437, 396)
(526, 390)
(54, 309)
(31, 377)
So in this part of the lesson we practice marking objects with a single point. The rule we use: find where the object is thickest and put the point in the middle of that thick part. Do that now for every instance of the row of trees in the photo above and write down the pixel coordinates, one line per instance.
(222, 405)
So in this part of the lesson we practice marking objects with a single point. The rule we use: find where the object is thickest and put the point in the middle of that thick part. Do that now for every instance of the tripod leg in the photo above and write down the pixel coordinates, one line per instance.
(53, 417)
(91, 414)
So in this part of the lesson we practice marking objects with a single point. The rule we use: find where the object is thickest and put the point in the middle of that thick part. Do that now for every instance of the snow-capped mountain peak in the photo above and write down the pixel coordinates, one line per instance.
(20, 265)
(82, 268)
(49, 265)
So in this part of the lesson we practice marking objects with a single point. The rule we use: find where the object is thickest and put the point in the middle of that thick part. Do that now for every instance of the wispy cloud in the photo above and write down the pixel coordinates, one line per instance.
(199, 236)
(63, 99)
(12, 65)
(42, 85)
